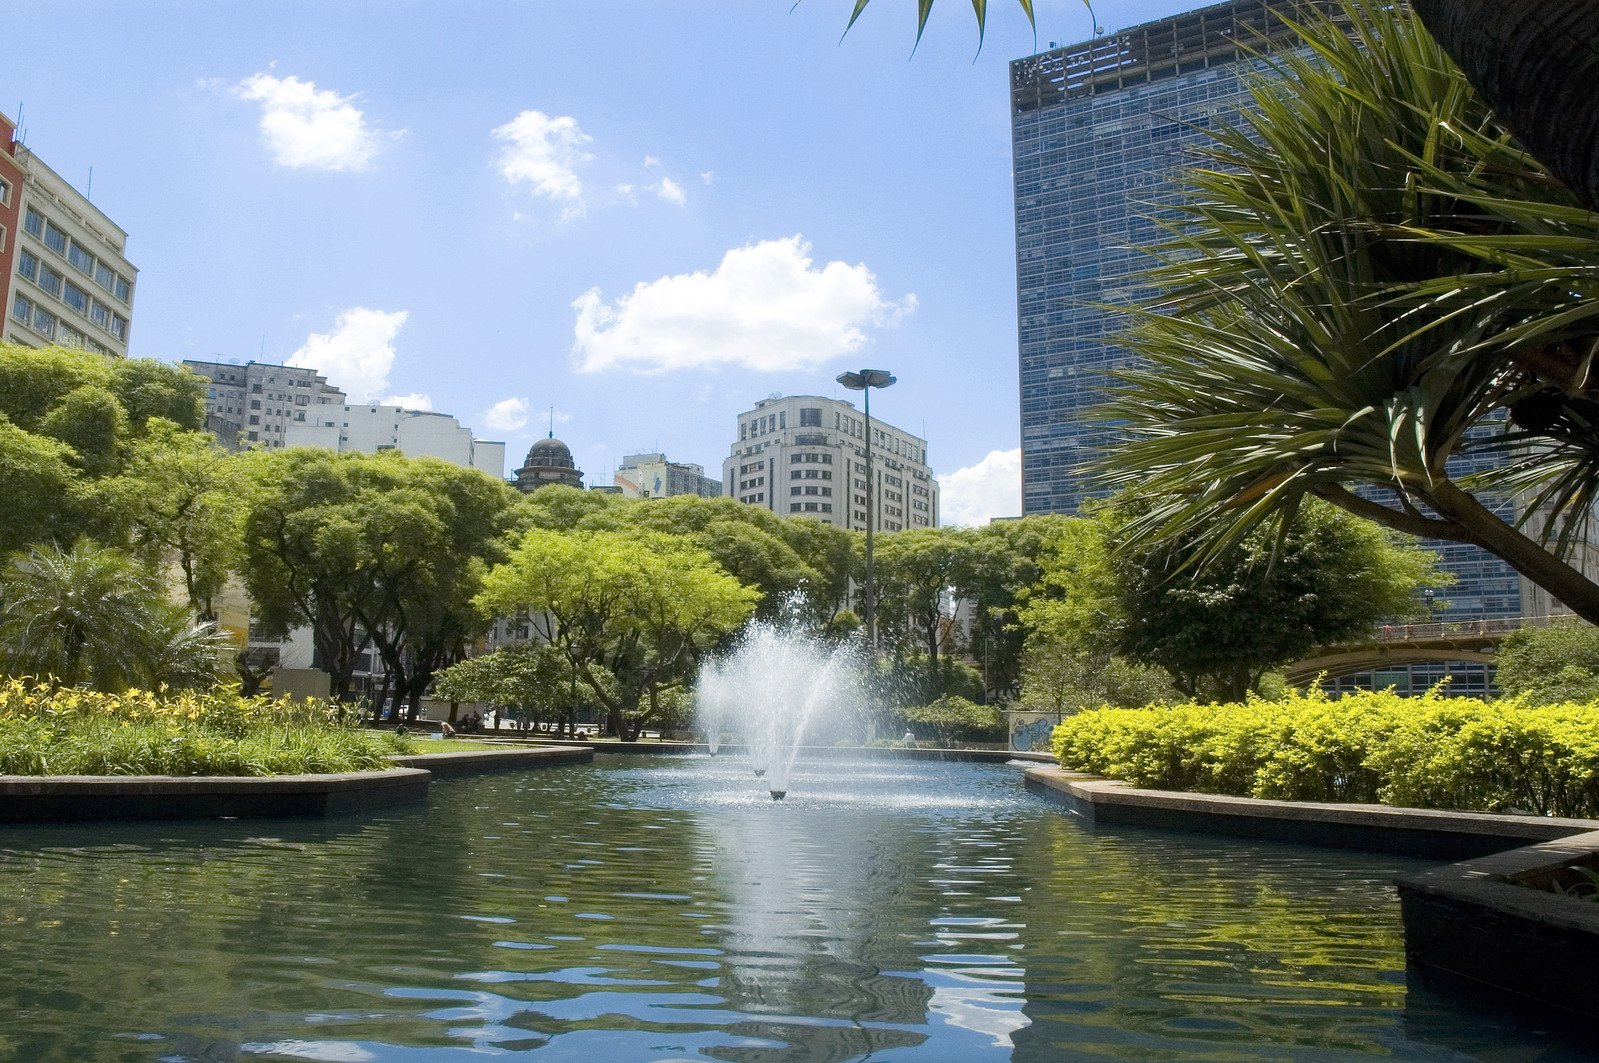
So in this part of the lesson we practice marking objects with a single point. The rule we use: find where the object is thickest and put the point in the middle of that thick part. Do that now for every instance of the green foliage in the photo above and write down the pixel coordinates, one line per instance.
(1428, 752)
(1367, 278)
(633, 611)
(384, 545)
(1067, 680)
(92, 616)
(529, 682)
(1551, 664)
(1215, 629)
(953, 717)
(46, 731)
(39, 480)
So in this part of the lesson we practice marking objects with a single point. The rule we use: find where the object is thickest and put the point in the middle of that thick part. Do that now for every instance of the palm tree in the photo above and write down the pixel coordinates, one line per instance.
(1365, 280)
(92, 616)
(1535, 62)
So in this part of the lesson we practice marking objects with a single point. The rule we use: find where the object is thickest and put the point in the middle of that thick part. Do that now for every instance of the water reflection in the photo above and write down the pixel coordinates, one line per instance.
(653, 910)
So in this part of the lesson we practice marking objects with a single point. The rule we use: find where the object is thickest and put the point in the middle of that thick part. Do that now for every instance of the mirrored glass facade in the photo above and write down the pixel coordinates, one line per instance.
(1099, 130)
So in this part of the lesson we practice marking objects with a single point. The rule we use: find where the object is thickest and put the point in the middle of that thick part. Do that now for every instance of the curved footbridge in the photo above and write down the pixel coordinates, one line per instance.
(1394, 644)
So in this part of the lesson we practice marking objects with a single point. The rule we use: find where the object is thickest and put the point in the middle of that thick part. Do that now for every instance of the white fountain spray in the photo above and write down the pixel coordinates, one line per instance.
(776, 688)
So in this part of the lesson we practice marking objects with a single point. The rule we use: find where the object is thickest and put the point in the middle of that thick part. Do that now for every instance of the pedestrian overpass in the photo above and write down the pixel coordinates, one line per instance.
(1476, 641)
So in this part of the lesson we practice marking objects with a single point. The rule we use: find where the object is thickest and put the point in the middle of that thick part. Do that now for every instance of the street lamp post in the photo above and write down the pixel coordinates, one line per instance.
(864, 381)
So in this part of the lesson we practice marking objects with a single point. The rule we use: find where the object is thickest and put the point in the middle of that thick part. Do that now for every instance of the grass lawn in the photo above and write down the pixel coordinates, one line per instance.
(460, 745)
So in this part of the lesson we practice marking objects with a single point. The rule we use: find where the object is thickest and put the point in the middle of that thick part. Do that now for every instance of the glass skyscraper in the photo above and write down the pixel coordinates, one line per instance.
(1099, 130)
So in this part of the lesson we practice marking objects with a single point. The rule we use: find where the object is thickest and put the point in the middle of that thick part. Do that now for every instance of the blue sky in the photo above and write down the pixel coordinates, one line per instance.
(647, 215)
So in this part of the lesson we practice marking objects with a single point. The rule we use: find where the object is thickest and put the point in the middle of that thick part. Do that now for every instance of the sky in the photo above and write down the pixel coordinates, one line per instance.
(644, 216)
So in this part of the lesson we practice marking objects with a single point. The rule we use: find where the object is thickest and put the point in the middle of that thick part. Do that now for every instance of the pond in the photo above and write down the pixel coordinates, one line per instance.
(654, 908)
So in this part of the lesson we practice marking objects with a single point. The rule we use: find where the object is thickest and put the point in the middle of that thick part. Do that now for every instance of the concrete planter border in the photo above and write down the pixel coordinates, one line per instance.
(88, 798)
(446, 764)
(1474, 925)
(1480, 927)
(80, 798)
(1375, 828)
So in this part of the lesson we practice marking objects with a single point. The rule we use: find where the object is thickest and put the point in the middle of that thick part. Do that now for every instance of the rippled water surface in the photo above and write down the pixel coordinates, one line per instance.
(666, 909)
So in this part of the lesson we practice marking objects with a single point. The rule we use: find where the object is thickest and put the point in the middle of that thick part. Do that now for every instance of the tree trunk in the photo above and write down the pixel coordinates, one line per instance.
(1536, 62)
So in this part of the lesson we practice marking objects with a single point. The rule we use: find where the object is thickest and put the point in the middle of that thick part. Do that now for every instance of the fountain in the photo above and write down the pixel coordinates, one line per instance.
(776, 688)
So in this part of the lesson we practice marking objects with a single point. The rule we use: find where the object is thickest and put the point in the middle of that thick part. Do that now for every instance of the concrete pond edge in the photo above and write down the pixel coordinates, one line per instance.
(1473, 925)
(45, 799)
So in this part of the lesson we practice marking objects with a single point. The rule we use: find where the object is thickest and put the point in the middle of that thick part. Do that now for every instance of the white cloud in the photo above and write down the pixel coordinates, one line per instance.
(507, 415)
(651, 160)
(414, 401)
(764, 307)
(978, 493)
(358, 354)
(310, 128)
(707, 176)
(670, 191)
(545, 153)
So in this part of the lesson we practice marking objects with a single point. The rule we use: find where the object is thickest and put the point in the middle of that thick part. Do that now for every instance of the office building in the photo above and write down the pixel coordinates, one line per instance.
(804, 455)
(652, 476)
(64, 276)
(1099, 131)
(255, 403)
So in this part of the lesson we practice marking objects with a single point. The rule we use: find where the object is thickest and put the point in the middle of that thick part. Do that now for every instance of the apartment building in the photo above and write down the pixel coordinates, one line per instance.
(65, 279)
(805, 455)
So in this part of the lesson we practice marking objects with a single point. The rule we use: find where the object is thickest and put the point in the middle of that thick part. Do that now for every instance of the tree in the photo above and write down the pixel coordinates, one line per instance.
(40, 484)
(1370, 284)
(529, 682)
(371, 547)
(177, 500)
(1217, 630)
(1551, 664)
(632, 611)
(997, 575)
(92, 616)
(916, 572)
(1530, 59)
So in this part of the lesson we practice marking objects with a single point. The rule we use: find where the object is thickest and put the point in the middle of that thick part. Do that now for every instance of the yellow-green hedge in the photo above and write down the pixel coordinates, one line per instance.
(1428, 752)
(83, 732)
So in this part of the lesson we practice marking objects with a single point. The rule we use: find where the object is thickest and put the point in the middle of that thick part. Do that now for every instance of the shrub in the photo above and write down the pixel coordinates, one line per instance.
(79, 732)
(1432, 751)
(953, 716)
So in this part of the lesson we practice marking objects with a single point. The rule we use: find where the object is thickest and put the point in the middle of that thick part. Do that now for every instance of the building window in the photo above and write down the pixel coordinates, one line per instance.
(124, 289)
(28, 264)
(810, 418)
(104, 277)
(50, 280)
(76, 298)
(55, 239)
(22, 308)
(5, 191)
(119, 327)
(794, 507)
(33, 222)
(44, 323)
(81, 260)
(100, 314)
(71, 337)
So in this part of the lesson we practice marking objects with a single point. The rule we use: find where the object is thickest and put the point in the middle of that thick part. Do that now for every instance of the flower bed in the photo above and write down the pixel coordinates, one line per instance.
(79, 732)
(1423, 752)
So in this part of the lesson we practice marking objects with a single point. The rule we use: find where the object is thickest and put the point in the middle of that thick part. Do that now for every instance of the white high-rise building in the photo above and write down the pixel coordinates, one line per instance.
(371, 427)
(804, 455)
